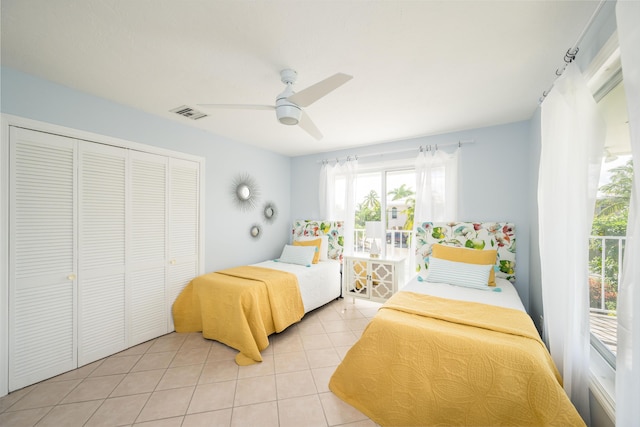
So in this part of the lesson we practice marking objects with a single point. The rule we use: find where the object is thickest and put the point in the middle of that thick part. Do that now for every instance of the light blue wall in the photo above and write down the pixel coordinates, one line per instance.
(227, 241)
(494, 180)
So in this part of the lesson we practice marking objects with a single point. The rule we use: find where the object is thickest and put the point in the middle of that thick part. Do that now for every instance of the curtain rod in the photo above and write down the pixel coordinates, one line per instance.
(571, 53)
(420, 149)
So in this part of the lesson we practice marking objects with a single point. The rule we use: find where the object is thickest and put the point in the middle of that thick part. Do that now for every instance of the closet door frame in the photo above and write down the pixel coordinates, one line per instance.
(6, 121)
(4, 259)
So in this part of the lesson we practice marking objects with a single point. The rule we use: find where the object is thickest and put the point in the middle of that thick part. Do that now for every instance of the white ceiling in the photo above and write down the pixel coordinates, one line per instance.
(420, 67)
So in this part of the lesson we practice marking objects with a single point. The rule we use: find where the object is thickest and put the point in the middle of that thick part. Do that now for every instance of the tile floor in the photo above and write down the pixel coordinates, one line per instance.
(185, 380)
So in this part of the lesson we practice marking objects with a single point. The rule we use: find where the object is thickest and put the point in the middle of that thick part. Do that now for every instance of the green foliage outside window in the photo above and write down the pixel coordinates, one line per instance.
(404, 192)
(370, 208)
(610, 220)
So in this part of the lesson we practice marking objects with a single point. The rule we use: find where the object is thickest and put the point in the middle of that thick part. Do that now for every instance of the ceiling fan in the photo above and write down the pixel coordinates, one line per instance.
(289, 104)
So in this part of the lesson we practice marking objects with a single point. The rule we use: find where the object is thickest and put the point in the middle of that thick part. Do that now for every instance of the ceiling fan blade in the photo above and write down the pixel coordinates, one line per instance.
(308, 96)
(308, 126)
(239, 106)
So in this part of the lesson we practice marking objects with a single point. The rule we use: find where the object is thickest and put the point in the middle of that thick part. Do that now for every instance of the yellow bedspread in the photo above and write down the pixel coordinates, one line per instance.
(425, 361)
(240, 307)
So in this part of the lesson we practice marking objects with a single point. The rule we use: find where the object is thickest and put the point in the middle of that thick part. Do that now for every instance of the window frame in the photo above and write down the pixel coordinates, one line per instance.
(603, 74)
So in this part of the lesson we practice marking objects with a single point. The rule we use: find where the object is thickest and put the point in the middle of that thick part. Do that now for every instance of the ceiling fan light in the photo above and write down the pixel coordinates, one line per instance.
(288, 114)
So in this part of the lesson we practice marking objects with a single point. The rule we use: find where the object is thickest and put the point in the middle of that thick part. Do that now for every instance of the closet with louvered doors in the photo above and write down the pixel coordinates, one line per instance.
(100, 244)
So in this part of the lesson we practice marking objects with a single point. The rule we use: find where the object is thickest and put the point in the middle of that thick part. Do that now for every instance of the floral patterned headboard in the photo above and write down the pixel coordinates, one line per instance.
(475, 235)
(333, 229)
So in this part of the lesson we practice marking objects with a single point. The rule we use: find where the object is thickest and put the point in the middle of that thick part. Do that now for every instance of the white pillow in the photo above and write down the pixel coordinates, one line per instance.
(302, 255)
(458, 273)
(324, 244)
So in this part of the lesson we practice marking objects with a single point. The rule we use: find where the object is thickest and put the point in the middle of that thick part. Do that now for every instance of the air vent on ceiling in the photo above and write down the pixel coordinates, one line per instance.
(189, 112)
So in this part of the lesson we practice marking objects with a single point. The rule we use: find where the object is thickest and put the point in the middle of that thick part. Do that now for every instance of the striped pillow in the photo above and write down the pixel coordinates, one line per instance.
(468, 256)
(458, 273)
(302, 255)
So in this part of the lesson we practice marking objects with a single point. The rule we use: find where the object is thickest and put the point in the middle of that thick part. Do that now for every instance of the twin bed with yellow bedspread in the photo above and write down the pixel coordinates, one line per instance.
(455, 346)
(242, 306)
(425, 360)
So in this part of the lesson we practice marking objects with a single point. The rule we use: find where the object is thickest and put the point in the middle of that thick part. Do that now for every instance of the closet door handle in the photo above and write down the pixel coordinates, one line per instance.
(173, 262)
(71, 276)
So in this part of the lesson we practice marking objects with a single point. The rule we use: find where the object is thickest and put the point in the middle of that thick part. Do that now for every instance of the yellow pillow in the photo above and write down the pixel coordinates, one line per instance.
(468, 255)
(316, 243)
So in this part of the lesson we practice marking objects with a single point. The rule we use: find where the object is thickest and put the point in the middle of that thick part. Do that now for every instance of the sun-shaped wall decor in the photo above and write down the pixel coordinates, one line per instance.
(255, 231)
(270, 212)
(245, 192)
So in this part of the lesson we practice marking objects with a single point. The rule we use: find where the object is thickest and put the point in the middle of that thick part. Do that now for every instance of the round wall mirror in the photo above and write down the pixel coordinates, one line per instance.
(245, 192)
(255, 231)
(269, 212)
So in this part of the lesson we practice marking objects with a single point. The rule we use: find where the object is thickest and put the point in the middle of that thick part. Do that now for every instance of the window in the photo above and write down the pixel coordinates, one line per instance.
(385, 194)
(368, 208)
(607, 242)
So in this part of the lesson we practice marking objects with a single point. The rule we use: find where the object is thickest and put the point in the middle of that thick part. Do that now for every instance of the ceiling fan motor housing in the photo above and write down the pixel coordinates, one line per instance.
(287, 112)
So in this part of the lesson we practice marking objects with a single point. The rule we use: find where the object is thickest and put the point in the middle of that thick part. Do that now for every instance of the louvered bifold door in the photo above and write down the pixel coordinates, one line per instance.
(42, 266)
(101, 263)
(147, 243)
(184, 228)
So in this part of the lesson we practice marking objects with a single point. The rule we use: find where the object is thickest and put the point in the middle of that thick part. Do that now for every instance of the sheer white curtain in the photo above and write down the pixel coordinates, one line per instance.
(326, 190)
(337, 187)
(436, 186)
(436, 190)
(628, 352)
(572, 145)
